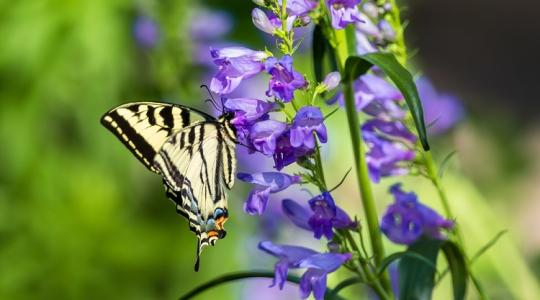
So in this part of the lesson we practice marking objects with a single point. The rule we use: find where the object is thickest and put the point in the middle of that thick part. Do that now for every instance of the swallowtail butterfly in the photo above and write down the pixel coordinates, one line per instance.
(193, 152)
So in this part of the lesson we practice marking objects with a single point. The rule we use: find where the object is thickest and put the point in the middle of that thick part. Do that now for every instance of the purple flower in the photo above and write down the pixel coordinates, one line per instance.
(344, 12)
(264, 135)
(318, 265)
(376, 97)
(441, 111)
(407, 219)
(326, 215)
(284, 79)
(146, 32)
(235, 64)
(323, 217)
(308, 120)
(285, 154)
(209, 25)
(390, 147)
(247, 110)
(266, 183)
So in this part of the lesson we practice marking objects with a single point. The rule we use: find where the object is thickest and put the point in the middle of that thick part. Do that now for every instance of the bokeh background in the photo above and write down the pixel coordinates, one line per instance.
(80, 218)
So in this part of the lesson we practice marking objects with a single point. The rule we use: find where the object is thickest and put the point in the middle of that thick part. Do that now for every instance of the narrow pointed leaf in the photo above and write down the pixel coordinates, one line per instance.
(399, 255)
(356, 66)
(416, 277)
(458, 269)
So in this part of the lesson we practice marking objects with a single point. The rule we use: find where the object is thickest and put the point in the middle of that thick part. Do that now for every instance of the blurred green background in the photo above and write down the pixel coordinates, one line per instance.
(80, 218)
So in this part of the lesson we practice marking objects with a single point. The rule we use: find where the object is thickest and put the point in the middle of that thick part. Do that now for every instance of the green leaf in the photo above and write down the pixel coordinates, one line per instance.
(444, 163)
(324, 59)
(487, 246)
(458, 268)
(356, 66)
(399, 255)
(416, 278)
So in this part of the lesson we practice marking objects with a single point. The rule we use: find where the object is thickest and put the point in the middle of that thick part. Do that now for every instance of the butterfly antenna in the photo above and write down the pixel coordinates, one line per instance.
(214, 103)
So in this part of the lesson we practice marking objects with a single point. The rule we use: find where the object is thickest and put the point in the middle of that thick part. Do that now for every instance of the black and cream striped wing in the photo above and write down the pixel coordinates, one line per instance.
(143, 127)
(197, 164)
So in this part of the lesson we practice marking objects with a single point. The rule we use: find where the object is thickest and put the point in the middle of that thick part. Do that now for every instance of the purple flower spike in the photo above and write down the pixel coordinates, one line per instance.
(266, 184)
(441, 111)
(318, 266)
(284, 79)
(264, 134)
(146, 32)
(326, 216)
(207, 25)
(344, 12)
(298, 214)
(407, 219)
(308, 120)
(235, 64)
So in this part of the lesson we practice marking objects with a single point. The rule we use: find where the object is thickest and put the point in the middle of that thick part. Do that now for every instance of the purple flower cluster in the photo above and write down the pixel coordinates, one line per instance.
(406, 220)
(297, 15)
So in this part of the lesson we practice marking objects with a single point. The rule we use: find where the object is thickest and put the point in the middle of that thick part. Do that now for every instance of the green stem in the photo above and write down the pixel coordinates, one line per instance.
(366, 271)
(395, 20)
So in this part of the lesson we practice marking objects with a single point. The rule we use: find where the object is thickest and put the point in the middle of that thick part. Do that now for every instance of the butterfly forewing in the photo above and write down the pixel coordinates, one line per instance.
(144, 126)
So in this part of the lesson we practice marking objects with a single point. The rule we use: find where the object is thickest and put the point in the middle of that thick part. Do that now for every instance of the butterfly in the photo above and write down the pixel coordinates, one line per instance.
(194, 152)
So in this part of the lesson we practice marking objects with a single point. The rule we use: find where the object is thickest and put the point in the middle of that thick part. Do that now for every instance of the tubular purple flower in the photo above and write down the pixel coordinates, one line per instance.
(247, 110)
(264, 135)
(363, 44)
(376, 97)
(285, 154)
(235, 64)
(308, 120)
(285, 80)
(390, 147)
(441, 111)
(318, 266)
(326, 216)
(406, 220)
(266, 183)
(298, 214)
(343, 12)
(146, 32)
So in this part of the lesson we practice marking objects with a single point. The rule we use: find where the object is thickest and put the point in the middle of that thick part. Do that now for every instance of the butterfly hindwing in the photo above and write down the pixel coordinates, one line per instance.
(143, 127)
(197, 163)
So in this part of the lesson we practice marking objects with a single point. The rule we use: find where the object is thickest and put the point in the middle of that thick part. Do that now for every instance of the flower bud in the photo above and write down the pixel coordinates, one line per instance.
(261, 21)
(332, 80)
(387, 31)
(371, 10)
